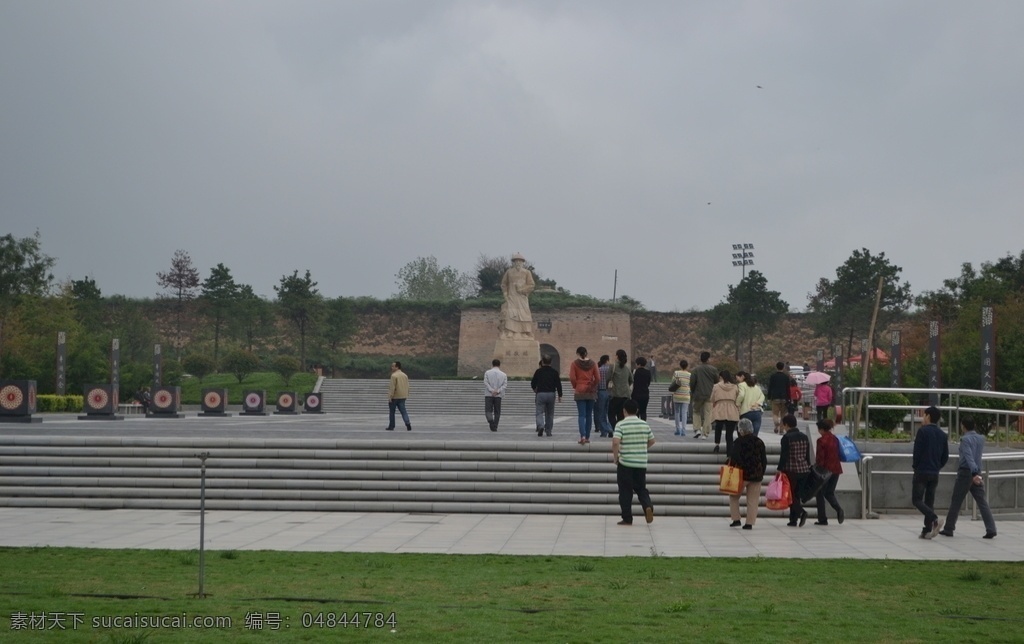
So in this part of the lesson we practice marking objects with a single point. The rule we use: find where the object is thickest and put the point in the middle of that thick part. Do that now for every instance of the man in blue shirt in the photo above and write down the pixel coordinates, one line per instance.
(931, 452)
(968, 479)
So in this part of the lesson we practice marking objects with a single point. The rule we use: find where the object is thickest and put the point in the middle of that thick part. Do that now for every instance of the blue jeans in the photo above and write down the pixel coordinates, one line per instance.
(585, 408)
(681, 409)
(601, 421)
(754, 416)
(400, 404)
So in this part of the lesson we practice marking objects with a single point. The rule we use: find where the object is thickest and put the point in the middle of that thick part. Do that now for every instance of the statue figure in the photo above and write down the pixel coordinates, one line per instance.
(516, 286)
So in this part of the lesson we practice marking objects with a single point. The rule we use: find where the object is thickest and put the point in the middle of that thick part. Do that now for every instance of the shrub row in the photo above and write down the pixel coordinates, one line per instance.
(51, 402)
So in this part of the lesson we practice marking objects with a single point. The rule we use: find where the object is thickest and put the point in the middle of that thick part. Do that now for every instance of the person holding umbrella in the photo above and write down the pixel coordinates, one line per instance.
(822, 392)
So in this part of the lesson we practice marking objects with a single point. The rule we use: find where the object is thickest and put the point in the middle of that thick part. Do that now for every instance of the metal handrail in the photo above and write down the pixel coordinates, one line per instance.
(952, 406)
(867, 484)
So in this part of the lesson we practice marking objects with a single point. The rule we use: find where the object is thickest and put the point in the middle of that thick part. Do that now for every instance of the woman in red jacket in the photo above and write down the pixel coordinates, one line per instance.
(826, 454)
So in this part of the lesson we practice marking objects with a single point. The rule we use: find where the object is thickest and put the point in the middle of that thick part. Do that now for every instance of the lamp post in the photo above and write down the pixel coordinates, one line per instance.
(742, 256)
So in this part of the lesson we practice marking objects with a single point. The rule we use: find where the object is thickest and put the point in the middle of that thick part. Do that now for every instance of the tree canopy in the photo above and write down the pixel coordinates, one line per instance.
(300, 302)
(749, 312)
(424, 279)
(842, 308)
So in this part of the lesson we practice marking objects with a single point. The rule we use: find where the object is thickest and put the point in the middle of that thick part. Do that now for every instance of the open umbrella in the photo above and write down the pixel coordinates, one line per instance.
(817, 377)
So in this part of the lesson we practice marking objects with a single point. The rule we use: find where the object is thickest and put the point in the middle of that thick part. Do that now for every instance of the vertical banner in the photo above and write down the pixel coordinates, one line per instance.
(62, 358)
(988, 349)
(157, 365)
(934, 357)
(819, 358)
(896, 361)
(115, 366)
(837, 354)
(865, 348)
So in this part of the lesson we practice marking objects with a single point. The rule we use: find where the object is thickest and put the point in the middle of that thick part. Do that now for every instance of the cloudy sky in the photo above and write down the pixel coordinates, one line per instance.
(349, 137)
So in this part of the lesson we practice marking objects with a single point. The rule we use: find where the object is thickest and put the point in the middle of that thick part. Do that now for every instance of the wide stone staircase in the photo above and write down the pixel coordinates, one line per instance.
(359, 475)
(434, 397)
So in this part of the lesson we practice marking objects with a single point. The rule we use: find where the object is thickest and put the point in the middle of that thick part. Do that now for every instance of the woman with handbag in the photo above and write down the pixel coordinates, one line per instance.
(748, 454)
(826, 455)
(725, 409)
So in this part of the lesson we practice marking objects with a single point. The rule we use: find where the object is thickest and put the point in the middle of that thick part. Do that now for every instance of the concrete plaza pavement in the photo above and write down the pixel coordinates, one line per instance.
(892, 537)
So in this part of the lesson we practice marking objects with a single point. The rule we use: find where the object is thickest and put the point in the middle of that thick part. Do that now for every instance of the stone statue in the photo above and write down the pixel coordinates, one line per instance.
(516, 285)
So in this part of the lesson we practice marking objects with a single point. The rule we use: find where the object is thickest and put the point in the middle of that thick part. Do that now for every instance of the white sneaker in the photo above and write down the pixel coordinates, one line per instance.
(703, 437)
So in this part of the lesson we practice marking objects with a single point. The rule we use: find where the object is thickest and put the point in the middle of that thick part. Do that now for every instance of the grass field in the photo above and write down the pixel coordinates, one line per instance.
(312, 597)
(272, 383)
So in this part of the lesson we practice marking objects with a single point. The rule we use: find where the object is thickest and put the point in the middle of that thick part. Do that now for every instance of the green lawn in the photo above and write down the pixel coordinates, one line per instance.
(424, 598)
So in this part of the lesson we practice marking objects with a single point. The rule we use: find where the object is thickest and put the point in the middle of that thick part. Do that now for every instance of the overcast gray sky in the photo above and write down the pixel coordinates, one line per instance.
(348, 137)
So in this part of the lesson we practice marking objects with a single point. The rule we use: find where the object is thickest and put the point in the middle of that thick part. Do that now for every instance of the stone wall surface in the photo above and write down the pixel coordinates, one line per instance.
(406, 333)
(471, 334)
(559, 332)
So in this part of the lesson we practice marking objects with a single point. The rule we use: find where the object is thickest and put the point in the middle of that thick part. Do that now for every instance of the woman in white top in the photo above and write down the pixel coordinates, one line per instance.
(752, 399)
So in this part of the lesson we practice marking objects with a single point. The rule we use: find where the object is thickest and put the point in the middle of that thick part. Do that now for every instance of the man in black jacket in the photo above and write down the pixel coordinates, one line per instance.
(546, 384)
(778, 393)
(931, 452)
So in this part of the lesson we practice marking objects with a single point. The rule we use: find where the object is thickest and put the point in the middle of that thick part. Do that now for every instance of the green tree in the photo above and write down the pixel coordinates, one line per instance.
(842, 308)
(199, 365)
(300, 302)
(489, 271)
(286, 367)
(253, 316)
(337, 330)
(24, 268)
(181, 282)
(241, 363)
(749, 312)
(89, 303)
(424, 279)
(219, 297)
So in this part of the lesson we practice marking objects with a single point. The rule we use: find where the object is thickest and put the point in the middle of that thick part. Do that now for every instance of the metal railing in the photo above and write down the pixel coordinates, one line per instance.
(867, 483)
(948, 401)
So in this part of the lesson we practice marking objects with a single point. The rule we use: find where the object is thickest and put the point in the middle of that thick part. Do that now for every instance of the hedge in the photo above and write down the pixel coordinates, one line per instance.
(52, 403)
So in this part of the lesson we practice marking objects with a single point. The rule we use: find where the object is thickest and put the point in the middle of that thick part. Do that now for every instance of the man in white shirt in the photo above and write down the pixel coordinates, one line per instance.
(495, 383)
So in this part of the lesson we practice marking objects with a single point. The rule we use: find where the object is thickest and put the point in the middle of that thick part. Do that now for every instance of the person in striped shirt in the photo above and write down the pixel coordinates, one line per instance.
(632, 438)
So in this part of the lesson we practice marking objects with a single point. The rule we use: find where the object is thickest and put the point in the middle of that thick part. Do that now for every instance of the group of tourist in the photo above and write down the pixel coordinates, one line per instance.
(614, 398)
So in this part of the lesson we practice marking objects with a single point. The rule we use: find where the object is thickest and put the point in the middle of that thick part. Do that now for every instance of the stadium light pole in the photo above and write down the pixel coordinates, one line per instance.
(742, 256)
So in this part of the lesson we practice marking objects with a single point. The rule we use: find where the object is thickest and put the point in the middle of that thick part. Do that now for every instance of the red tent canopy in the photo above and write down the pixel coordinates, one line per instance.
(878, 356)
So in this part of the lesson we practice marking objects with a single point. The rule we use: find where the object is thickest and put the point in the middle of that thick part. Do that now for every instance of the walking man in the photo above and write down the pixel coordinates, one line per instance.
(702, 381)
(633, 437)
(931, 452)
(546, 384)
(398, 391)
(495, 383)
(968, 479)
(778, 393)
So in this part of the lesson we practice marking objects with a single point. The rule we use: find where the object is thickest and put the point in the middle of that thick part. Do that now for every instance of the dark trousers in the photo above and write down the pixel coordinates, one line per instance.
(822, 411)
(641, 404)
(963, 485)
(492, 410)
(729, 426)
(923, 497)
(796, 483)
(615, 410)
(632, 480)
(828, 493)
(545, 403)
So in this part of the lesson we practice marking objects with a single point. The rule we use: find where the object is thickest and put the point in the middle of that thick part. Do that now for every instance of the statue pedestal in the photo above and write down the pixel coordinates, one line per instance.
(519, 356)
